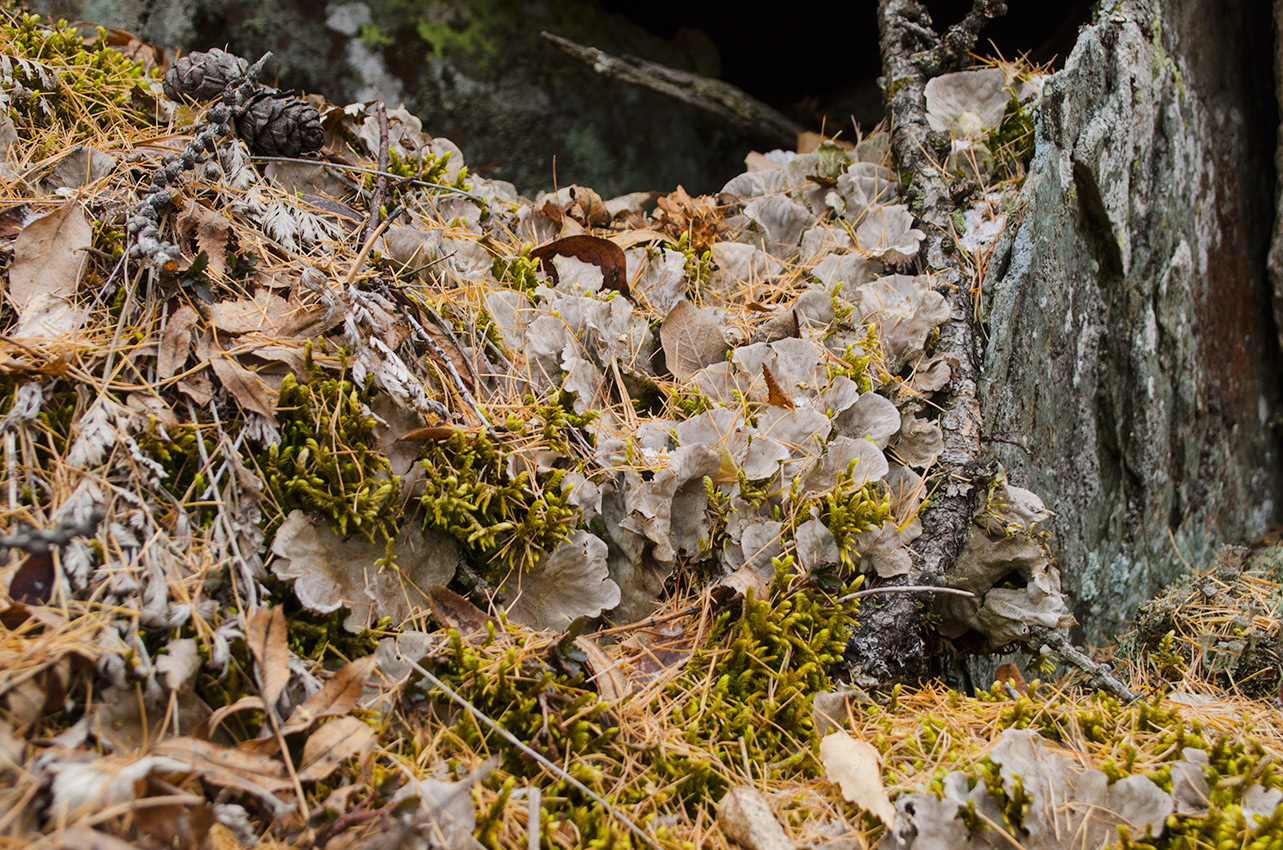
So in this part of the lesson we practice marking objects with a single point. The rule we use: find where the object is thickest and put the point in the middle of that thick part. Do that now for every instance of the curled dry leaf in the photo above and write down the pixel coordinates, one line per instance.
(856, 767)
(452, 611)
(612, 684)
(602, 253)
(775, 395)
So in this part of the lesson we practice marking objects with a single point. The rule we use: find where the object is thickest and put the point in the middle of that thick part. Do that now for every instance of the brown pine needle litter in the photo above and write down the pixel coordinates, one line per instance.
(332, 519)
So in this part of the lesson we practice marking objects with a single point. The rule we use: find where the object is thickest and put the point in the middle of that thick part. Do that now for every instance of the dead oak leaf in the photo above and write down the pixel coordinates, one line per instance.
(210, 231)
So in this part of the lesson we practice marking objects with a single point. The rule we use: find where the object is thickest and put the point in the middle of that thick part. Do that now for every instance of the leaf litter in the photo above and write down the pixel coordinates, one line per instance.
(599, 469)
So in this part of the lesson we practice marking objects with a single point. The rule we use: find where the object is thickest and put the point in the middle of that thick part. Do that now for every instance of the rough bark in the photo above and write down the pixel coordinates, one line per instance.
(890, 633)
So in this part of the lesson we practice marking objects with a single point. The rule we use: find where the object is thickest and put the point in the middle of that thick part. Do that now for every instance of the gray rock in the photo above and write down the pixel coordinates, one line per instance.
(1130, 346)
(476, 73)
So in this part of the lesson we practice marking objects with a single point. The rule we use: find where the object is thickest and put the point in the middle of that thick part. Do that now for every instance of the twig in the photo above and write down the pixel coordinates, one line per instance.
(733, 105)
(903, 588)
(370, 239)
(381, 184)
(38, 541)
(1099, 676)
(529, 752)
(359, 169)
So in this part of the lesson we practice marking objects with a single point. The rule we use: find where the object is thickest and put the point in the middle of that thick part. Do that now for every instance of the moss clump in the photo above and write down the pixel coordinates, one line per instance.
(521, 681)
(519, 272)
(857, 359)
(325, 460)
(54, 78)
(504, 520)
(751, 686)
(1012, 141)
(428, 168)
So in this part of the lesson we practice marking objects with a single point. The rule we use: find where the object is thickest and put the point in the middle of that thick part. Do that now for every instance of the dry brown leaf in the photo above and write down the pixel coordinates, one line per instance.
(631, 238)
(692, 339)
(266, 312)
(210, 725)
(265, 634)
(1010, 674)
(612, 684)
(210, 231)
(452, 611)
(245, 386)
(339, 696)
(176, 342)
(49, 256)
(437, 433)
(746, 818)
(331, 745)
(13, 219)
(775, 395)
(32, 583)
(199, 388)
(855, 766)
(603, 253)
(230, 767)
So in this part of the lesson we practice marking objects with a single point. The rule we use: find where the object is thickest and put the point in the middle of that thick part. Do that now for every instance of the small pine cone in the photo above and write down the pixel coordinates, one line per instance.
(277, 123)
(203, 76)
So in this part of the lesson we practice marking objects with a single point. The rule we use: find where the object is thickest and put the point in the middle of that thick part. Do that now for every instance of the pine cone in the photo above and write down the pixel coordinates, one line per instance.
(203, 76)
(277, 123)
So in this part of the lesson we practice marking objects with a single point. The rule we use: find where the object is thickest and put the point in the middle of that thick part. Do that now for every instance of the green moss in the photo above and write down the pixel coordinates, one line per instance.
(325, 461)
(699, 264)
(503, 520)
(847, 510)
(766, 659)
(519, 272)
(1012, 142)
(57, 78)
